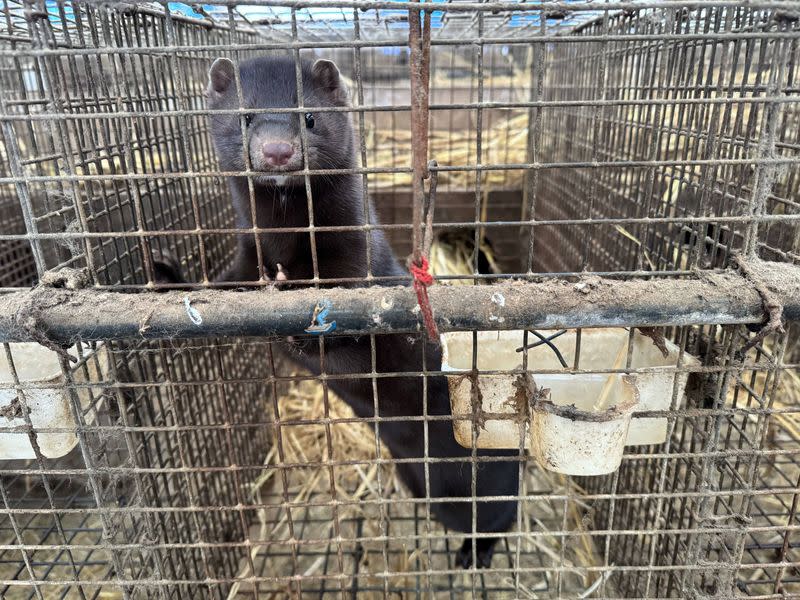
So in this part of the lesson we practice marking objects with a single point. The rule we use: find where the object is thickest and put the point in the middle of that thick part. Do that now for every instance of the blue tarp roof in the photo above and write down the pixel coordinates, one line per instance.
(339, 17)
(336, 17)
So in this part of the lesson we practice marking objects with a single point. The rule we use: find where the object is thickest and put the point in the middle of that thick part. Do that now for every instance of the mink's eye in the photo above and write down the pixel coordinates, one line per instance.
(309, 120)
(248, 118)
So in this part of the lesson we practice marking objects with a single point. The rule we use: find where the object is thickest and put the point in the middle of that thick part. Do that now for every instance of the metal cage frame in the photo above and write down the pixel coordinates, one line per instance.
(633, 164)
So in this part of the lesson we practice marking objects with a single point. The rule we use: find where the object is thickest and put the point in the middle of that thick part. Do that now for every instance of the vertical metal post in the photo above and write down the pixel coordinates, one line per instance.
(419, 43)
(533, 147)
(766, 173)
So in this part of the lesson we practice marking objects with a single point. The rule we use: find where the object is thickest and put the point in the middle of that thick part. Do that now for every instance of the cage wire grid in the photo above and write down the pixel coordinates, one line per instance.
(600, 153)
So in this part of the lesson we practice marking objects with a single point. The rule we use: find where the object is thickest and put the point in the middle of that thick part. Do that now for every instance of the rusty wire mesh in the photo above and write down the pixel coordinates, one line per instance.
(630, 141)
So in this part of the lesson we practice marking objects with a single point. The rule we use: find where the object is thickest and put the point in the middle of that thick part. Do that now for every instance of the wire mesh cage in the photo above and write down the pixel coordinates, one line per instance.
(226, 384)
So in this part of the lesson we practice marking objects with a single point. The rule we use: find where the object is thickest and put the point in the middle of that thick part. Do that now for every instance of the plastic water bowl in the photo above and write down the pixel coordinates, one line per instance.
(498, 424)
(567, 433)
(656, 377)
(48, 402)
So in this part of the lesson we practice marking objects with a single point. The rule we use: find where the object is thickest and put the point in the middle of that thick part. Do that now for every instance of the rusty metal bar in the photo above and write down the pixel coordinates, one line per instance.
(591, 302)
(419, 46)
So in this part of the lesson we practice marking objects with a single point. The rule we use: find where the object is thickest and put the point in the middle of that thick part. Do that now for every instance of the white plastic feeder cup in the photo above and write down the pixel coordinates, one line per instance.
(570, 436)
(580, 429)
(48, 400)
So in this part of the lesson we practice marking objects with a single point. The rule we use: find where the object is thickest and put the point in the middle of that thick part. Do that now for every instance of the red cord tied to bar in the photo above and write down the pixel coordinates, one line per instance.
(422, 279)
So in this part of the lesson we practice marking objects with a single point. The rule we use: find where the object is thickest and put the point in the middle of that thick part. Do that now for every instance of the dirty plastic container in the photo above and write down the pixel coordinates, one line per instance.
(500, 427)
(570, 433)
(600, 349)
(49, 405)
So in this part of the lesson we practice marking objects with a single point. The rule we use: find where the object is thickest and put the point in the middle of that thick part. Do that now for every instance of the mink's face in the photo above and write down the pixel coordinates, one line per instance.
(272, 141)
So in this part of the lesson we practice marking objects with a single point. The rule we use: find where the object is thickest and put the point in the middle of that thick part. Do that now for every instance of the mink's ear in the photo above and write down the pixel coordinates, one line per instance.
(220, 76)
(326, 77)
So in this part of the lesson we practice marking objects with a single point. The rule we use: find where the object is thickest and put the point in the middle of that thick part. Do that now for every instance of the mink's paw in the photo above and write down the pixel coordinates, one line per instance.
(166, 267)
(280, 274)
(484, 551)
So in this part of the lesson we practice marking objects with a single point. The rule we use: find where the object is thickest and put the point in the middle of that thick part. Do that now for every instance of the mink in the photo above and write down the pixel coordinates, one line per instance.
(273, 145)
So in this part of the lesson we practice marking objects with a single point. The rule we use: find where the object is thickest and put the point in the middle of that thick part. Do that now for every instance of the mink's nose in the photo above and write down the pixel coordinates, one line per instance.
(277, 154)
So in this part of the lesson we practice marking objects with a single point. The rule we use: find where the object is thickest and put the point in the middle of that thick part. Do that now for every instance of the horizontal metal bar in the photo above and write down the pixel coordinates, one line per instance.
(201, 231)
(722, 298)
(554, 496)
(554, 37)
(440, 169)
(545, 5)
(455, 535)
(687, 413)
(248, 471)
(394, 108)
(412, 572)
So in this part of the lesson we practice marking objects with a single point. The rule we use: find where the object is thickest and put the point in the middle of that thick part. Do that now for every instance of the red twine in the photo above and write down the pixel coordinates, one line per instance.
(422, 279)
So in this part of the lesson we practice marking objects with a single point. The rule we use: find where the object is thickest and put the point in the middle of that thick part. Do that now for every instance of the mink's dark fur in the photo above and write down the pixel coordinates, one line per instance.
(281, 201)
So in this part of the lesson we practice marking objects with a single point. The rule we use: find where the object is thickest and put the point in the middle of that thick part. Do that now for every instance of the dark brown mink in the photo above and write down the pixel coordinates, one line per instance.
(274, 147)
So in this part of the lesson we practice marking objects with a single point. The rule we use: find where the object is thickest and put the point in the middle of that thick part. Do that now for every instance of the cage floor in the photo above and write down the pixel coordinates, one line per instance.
(72, 546)
(360, 552)
(400, 567)
(408, 565)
